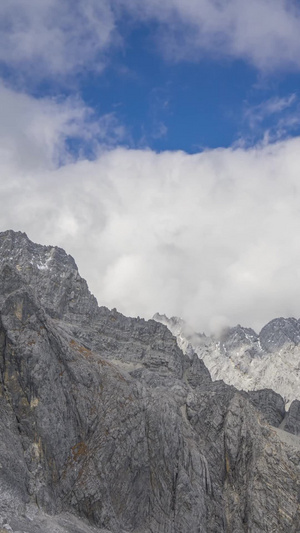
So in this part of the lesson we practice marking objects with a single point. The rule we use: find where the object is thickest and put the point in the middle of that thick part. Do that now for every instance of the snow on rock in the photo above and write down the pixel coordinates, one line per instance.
(245, 359)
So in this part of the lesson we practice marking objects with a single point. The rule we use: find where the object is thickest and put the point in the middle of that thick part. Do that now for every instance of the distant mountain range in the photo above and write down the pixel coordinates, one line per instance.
(245, 359)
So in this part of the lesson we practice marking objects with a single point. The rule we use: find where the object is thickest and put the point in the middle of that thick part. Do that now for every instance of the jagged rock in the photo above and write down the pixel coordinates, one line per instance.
(270, 404)
(51, 274)
(232, 338)
(246, 360)
(108, 427)
(279, 332)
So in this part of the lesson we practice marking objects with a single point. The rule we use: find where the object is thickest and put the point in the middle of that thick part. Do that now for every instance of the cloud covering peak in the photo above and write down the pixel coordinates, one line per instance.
(212, 237)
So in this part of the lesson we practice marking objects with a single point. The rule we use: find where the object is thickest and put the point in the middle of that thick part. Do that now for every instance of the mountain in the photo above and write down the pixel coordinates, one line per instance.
(107, 426)
(245, 359)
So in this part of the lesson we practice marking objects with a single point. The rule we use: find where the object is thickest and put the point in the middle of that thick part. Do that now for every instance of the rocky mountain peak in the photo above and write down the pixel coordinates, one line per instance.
(279, 332)
(108, 427)
(50, 273)
(233, 338)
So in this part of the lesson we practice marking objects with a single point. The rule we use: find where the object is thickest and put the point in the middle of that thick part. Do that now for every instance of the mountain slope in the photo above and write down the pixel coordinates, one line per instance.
(247, 360)
(107, 426)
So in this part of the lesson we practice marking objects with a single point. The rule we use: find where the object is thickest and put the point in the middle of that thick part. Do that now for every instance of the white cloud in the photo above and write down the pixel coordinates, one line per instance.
(273, 119)
(55, 37)
(35, 133)
(212, 236)
(263, 32)
(272, 106)
(277, 104)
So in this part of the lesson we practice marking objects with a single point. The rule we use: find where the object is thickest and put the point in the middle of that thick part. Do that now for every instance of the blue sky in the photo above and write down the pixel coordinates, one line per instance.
(191, 105)
(159, 143)
(191, 95)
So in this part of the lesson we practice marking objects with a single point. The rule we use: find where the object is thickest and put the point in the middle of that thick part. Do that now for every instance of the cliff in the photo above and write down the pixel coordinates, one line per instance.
(107, 426)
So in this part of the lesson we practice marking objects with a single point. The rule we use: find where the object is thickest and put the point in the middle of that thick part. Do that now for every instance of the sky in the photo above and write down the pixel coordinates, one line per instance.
(158, 143)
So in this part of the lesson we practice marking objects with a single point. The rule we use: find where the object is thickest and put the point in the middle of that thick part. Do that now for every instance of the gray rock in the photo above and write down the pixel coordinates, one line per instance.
(270, 404)
(51, 274)
(291, 422)
(233, 338)
(279, 332)
(244, 359)
(106, 426)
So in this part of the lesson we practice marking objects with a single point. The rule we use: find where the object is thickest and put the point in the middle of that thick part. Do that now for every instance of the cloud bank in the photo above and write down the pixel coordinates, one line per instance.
(211, 237)
(58, 38)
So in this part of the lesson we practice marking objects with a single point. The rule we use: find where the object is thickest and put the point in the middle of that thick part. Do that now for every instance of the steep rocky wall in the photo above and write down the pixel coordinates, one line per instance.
(107, 426)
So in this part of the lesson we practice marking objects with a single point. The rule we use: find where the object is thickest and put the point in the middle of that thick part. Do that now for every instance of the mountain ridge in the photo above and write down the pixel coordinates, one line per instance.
(108, 427)
(245, 359)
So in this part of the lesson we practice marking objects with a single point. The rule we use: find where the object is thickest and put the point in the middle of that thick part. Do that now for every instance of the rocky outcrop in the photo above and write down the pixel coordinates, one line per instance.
(278, 333)
(270, 404)
(107, 426)
(291, 422)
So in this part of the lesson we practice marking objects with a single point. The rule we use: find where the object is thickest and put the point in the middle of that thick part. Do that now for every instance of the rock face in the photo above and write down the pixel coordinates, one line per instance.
(291, 421)
(107, 426)
(245, 359)
(278, 333)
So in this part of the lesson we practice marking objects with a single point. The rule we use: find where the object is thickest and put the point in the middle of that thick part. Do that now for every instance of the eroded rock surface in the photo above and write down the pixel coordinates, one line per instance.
(107, 426)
